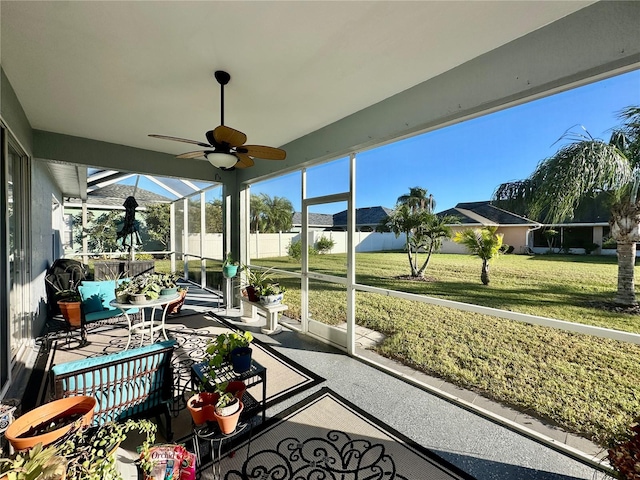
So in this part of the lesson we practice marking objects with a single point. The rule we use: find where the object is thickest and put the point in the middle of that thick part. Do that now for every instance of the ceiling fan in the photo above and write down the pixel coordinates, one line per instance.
(226, 149)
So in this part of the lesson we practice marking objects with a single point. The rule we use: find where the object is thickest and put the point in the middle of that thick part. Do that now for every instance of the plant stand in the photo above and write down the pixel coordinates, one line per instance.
(211, 433)
(249, 313)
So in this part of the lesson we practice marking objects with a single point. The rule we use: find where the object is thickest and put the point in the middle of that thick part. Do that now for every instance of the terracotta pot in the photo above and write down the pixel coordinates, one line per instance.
(237, 388)
(202, 407)
(18, 432)
(71, 312)
(229, 423)
(175, 307)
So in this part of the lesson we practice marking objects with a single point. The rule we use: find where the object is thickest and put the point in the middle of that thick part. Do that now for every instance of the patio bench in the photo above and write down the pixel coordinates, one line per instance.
(270, 312)
(127, 384)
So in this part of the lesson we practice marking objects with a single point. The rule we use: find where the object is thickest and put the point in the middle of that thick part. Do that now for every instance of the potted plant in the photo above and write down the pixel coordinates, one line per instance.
(143, 288)
(38, 462)
(50, 422)
(91, 452)
(167, 282)
(69, 301)
(201, 405)
(231, 347)
(227, 412)
(176, 305)
(229, 267)
(254, 281)
(271, 294)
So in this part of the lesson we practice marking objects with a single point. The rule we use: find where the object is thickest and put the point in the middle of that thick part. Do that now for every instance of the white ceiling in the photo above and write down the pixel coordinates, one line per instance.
(117, 71)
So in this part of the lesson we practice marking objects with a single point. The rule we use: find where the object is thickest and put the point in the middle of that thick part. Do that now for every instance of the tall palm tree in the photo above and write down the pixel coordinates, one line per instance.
(417, 199)
(484, 242)
(278, 214)
(592, 166)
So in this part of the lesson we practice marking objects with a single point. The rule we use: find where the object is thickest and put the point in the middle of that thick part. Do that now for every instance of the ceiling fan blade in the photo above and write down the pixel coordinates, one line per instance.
(261, 151)
(183, 140)
(199, 153)
(224, 134)
(244, 161)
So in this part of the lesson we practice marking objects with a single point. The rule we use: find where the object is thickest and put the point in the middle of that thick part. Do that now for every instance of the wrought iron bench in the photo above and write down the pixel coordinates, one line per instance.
(132, 383)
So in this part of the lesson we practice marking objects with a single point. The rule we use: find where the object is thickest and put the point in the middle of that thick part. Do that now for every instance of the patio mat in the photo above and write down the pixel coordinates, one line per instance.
(192, 332)
(325, 436)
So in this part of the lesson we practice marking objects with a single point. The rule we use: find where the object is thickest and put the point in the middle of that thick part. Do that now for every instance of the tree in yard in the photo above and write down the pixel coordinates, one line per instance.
(101, 231)
(270, 215)
(417, 199)
(423, 230)
(550, 236)
(589, 166)
(484, 242)
(157, 218)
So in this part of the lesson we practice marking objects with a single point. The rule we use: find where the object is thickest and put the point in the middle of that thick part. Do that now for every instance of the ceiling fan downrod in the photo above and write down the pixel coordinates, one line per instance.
(223, 78)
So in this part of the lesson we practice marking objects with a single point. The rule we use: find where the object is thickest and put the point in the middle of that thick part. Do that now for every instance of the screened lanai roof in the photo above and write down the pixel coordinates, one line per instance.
(102, 182)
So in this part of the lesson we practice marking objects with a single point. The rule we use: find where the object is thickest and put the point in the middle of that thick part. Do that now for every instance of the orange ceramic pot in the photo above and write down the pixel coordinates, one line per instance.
(202, 406)
(71, 312)
(229, 423)
(18, 432)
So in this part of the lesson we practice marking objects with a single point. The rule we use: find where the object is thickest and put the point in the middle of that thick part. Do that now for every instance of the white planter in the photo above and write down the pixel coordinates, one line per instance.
(271, 299)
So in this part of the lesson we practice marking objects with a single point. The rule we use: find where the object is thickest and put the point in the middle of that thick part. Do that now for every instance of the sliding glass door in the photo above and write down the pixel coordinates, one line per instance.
(15, 321)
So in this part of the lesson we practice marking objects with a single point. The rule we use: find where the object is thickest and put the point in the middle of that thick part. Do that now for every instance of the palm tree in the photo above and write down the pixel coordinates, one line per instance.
(422, 230)
(591, 166)
(484, 242)
(417, 199)
(270, 215)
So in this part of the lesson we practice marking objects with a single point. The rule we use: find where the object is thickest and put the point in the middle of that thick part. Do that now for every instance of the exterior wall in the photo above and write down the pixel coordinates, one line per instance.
(513, 236)
(45, 240)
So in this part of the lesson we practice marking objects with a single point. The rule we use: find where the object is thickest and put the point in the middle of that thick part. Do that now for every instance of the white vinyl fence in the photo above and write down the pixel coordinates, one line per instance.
(276, 244)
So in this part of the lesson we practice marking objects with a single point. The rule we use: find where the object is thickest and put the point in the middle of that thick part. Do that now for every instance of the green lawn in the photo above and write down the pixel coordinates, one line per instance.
(585, 384)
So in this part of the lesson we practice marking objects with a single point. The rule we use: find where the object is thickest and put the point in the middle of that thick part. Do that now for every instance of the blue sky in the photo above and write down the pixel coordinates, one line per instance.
(467, 161)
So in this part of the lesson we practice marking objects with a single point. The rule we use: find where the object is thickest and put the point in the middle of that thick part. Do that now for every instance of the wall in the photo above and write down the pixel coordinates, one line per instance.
(266, 245)
(43, 237)
(513, 236)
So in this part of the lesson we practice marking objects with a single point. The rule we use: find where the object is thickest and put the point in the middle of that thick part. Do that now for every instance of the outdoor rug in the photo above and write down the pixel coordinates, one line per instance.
(284, 377)
(327, 437)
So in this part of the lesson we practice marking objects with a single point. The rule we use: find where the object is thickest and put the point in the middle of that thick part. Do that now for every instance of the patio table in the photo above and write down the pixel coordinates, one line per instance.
(152, 324)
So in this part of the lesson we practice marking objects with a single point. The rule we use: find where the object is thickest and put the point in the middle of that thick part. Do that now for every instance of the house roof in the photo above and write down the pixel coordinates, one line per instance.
(369, 216)
(114, 195)
(485, 213)
(364, 216)
(315, 219)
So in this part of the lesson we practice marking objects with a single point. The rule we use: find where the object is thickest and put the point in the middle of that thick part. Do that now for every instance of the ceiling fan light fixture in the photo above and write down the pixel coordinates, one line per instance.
(221, 160)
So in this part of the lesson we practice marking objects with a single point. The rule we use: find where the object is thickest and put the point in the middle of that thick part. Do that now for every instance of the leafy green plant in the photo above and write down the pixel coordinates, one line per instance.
(294, 250)
(38, 462)
(324, 244)
(228, 260)
(271, 289)
(257, 277)
(219, 348)
(88, 450)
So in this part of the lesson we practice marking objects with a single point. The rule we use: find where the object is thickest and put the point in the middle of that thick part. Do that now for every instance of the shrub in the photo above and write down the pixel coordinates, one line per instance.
(324, 244)
(295, 250)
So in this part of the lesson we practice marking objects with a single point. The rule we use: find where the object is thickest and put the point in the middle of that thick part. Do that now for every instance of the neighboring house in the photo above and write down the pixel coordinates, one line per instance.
(367, 219)
(517, 230)
(105, 199)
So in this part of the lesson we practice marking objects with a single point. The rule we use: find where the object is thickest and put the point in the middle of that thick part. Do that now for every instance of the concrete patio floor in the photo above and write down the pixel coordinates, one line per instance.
(433, 413)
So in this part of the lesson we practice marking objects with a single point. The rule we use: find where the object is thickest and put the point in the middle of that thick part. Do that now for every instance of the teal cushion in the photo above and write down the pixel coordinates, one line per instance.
(104, 314)
(116, 392)
(107, 290)
(91, 298)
